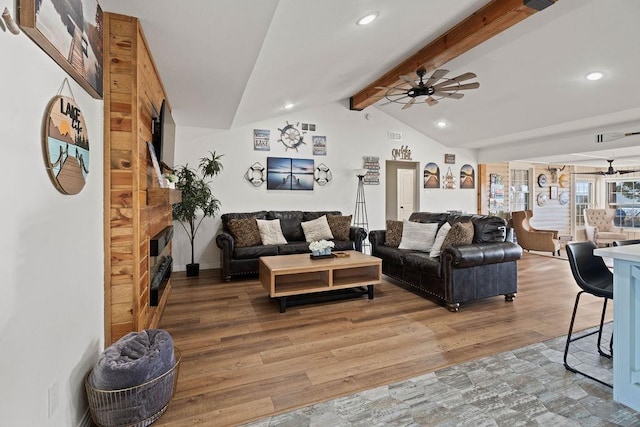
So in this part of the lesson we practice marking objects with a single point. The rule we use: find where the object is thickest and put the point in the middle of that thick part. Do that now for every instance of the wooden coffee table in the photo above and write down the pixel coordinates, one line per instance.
(293, 275)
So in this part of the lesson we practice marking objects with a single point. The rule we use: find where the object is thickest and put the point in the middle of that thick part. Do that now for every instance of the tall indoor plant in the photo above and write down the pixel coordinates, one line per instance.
(198, 202)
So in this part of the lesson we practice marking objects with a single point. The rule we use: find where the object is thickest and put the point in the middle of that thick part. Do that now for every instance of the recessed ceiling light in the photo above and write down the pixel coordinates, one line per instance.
(595, 75)
(367, 19)
(289, 106)
(441, 124)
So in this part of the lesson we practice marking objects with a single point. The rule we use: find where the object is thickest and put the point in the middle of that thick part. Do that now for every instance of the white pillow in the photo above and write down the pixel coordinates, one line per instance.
(271, 232)
(418, 236)
(317, 229)
(437, 244)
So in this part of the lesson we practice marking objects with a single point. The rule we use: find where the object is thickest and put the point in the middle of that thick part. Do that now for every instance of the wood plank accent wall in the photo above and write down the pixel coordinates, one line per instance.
(553, 215)
(132, 92)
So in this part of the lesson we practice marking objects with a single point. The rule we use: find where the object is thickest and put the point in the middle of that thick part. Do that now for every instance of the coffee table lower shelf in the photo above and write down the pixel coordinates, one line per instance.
(338, 294)
(295, 279)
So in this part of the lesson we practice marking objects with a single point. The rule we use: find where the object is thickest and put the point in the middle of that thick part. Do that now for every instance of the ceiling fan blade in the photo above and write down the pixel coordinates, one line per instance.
(431, 101)
(463, 77)
(410, 81)
(474, 85)
(453, 95)
(437, 75)
(409, 104)
(606, 137)
(622, 172)
(589, 173)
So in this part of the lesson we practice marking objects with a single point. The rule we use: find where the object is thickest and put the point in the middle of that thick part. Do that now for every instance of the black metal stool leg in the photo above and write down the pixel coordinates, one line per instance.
(602, 353)
(571, 339)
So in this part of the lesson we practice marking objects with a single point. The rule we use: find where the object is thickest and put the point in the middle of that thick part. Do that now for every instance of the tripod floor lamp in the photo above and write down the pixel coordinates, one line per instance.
(360, 218)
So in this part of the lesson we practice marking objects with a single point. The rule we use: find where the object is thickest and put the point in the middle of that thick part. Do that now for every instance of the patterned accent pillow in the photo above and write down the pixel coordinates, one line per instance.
(316, 229)
(271, 232)
(245, 232)
(394, 233)
(418, 236)
(340, 226)
(461, 233)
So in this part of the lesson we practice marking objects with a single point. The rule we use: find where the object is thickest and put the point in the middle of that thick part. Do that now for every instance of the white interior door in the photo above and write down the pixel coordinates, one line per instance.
(406, 193)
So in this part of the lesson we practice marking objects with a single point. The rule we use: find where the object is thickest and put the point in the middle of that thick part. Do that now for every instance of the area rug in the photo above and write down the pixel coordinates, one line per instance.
(523, 387)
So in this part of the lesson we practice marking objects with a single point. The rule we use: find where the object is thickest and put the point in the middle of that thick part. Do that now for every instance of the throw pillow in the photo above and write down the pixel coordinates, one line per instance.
(270, 232)
(437, 244)
(340, 226)
(394, 233)
(418, 236)
(245, 232)
(461, 233)
(317, 229)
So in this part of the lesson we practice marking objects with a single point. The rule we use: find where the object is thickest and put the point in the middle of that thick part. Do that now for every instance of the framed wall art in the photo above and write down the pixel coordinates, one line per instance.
(467, 177)
(431, 176)
(70, 32)
(284, 173)
(66, 145)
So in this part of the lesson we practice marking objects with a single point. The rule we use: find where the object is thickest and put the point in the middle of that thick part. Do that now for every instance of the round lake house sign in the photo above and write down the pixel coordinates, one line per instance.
(66, 145)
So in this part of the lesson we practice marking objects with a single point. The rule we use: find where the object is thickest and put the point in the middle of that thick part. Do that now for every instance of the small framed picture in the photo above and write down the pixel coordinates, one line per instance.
(554, 192)
(450, 159)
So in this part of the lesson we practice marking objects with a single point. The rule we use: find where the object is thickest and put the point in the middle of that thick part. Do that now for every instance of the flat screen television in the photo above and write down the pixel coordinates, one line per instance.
(164, 136)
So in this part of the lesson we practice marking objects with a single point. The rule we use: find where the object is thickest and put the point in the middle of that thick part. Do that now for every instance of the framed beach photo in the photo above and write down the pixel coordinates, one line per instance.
(70, 32)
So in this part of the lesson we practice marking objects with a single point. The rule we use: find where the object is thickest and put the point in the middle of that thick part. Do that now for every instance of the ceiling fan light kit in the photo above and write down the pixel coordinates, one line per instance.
(430, 91)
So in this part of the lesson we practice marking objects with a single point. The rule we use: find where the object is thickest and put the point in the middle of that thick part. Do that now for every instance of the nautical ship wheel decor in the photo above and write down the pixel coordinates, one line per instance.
(291, 137)
(66, 145)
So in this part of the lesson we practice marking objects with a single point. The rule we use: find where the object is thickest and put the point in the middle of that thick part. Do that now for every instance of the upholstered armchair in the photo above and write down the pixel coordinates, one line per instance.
(598, 224)
(533, 239)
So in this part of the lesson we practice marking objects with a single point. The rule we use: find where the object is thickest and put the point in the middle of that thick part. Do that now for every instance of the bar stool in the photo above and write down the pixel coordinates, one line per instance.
(594, 277)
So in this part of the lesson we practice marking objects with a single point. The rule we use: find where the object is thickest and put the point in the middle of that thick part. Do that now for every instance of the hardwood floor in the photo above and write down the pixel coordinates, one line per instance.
(243, 360)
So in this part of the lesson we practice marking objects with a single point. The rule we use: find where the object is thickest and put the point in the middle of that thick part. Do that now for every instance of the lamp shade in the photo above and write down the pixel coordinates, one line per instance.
(360, 172)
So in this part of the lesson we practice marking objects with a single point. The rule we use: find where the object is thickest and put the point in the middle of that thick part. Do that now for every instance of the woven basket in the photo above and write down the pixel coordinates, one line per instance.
(135, 406)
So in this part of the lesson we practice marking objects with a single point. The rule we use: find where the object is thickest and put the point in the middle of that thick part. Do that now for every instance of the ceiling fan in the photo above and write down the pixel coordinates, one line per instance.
(610, 171)
(434, 88)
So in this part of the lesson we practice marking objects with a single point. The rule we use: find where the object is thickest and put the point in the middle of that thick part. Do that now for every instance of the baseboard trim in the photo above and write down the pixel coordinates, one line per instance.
(86, 420)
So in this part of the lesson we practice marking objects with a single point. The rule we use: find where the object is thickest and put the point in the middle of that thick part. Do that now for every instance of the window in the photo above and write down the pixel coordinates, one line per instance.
(584, 199)
(519, 183)
(624, 197)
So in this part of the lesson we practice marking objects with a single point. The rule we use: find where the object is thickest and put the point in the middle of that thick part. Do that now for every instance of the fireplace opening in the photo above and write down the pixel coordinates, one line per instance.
(160, 264)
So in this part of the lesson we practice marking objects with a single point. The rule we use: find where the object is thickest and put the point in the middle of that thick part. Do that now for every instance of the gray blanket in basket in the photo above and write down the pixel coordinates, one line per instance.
(134, 359)
(124, 378)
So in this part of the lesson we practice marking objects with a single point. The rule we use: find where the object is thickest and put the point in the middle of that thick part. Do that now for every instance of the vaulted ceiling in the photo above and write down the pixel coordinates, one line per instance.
(228, 63)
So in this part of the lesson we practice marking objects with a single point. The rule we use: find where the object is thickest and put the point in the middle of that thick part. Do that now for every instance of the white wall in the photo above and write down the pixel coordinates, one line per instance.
(51, 256)
(350, 136)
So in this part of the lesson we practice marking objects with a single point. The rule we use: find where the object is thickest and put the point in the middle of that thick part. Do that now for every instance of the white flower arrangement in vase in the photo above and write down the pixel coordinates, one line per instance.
(321, 247)
(171, 180)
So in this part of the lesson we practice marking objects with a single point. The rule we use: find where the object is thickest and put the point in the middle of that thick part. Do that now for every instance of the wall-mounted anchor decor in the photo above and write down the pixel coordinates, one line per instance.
(449, 181)
(402, 153)
(322, 174)
(66, 144)
(256, 174)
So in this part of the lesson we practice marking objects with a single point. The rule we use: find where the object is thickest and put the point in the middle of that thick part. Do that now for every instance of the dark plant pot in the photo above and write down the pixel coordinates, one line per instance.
(193, 270)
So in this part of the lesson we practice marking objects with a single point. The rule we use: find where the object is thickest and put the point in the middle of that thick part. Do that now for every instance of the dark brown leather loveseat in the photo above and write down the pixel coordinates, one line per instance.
(485, 268)
(240, 262)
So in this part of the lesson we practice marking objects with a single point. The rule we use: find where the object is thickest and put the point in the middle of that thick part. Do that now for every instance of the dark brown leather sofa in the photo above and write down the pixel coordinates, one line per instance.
(485, 268)
(241, 262)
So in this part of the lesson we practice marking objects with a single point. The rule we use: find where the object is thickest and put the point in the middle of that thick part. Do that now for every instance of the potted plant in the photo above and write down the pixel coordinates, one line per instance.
(198, 202)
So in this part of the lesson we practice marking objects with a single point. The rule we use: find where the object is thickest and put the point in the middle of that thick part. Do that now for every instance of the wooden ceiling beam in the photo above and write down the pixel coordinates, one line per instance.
(479, 27)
